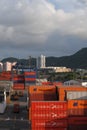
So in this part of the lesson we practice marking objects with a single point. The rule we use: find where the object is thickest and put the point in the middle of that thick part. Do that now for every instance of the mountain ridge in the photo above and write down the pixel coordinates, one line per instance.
(77, 60)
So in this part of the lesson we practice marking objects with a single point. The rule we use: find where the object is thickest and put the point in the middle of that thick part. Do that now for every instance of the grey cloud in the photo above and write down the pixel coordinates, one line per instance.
(37, 27)
(82, 1)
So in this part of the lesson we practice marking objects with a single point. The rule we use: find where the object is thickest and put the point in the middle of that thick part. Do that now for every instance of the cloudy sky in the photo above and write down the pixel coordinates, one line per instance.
(49, 27)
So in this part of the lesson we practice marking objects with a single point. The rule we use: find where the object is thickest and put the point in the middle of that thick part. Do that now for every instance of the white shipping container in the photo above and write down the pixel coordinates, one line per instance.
(2, 107)
(78, 95)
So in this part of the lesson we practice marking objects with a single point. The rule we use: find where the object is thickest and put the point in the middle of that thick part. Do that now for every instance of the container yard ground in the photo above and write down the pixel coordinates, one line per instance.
(14, 121)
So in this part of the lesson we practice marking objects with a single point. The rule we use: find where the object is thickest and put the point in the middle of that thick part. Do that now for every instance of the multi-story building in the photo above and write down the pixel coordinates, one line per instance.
(41, 61)
(7, 66)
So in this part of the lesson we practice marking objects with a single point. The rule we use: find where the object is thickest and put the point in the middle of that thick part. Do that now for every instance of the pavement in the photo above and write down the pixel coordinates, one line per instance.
(15, 121)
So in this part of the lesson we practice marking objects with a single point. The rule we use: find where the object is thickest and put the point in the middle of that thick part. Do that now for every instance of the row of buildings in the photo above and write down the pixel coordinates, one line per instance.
(41, 64)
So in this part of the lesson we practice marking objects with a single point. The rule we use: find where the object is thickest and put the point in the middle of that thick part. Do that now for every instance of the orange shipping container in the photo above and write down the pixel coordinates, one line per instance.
(62, 90)
(42, 89)
(77, 104)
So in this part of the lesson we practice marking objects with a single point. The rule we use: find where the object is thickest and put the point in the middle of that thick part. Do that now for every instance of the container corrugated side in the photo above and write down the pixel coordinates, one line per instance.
(77, 127)
(81, 95)
(42, 89)
(49, 115)
(77, 120)
(77, 104)
(77, 107)
(77, 112)
(50, 124)
(62, 90)
(49, 105)
(18, 86)
(49, 128)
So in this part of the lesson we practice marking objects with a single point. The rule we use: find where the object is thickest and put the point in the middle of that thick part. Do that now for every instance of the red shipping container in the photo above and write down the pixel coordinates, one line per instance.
(30, 73)
(49, 106)
(30, 79)
(77, 112)
(77, 120)
(43, 97)
(48, 115)
(77, 127)
(47, 83)
(18, 86)
(49, 129)
(49, 124)
(57, 83)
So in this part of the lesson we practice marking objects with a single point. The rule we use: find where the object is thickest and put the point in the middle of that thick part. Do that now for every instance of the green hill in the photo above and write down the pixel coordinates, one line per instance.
(77, 60)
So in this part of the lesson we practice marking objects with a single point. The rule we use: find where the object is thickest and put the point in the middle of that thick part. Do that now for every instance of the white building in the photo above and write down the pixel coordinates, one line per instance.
(72, 82)
(7, 66)
(41, 61)
(59, 69)
(1, 66)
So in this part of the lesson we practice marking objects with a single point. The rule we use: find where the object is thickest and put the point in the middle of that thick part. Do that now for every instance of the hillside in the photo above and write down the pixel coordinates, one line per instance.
(77, 60)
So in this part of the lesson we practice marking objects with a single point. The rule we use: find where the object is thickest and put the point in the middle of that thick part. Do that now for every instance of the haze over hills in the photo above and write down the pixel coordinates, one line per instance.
(77, 60)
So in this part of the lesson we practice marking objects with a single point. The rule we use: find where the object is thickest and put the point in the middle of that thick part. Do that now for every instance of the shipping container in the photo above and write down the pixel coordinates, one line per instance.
(77, 104)
(77, 107)
(42, 89)
(30, 79)
(62, 90)
(42, 97)
(77, 120)
(50, 124)
(77, 112)
(30, 76)
(47, 83)
(18, 81)
(57, 83)
(77, 127)
(2, 107)
(18, 86)
(30, 73)
(48, 110)
(48, 115)
(49, 129)
(80, 95)
(49, 105)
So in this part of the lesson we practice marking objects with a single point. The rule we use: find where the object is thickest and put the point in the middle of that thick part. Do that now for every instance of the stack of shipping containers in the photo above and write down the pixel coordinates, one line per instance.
(77, 109)
(18, 81)
(76, 97)
(49, 115)
(45, 111)
(30, 77)
(41, 93)
(5, 75)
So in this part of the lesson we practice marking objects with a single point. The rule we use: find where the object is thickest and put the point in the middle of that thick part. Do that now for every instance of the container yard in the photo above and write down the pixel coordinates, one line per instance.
(51, 106)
